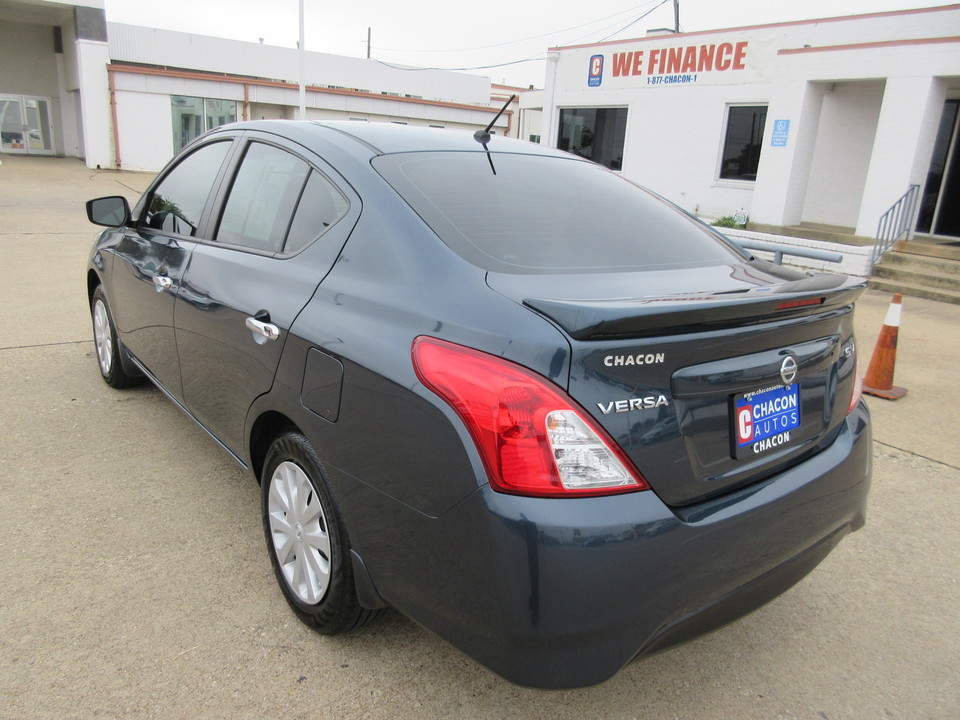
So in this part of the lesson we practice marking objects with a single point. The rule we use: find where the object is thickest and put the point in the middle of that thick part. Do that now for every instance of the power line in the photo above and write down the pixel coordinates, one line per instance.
(634, 22)
(462, 69)
(535, 37)
(536, 58)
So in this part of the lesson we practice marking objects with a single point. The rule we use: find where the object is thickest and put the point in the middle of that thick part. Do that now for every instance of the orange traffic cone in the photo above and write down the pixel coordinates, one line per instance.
(879, 378)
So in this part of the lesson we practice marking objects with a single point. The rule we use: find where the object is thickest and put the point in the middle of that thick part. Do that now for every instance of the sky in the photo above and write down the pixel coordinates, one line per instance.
(453, 35)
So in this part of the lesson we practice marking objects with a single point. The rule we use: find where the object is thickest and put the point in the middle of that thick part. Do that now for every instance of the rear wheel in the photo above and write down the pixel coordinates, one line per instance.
(307, 540)
(107, 346)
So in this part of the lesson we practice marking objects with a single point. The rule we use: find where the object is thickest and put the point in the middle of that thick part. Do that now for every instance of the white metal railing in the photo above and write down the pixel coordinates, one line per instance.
(895, 223)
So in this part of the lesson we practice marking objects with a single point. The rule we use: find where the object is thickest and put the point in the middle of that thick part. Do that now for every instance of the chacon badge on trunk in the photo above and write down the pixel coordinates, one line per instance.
(788, 370)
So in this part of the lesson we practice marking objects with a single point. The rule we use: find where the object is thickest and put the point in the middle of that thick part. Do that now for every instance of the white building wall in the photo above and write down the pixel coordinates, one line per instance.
(848, 154)
(918, 74)
(902, 146)
(785, 170)
(675, 148)
(68, 129)
(844, 143)
(71, 76)
(146, 142)
(129, 43)
(144, 109)
(29, 67)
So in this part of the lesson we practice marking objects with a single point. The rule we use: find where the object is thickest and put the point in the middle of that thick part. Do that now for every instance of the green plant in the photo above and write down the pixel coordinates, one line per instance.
(728, 221)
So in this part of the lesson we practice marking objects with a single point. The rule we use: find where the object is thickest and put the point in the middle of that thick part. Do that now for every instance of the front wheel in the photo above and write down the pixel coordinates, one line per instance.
(307, 540)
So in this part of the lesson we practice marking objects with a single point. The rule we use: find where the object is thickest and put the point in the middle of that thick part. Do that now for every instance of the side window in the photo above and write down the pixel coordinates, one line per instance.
(278, 203)
(262, 199)
(320, 207)
(177, 202)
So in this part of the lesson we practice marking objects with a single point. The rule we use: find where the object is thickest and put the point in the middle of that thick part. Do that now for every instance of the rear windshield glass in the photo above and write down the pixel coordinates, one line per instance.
(547, 214)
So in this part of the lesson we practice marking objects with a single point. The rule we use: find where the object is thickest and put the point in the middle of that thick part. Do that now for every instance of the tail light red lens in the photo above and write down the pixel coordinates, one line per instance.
(533, 438)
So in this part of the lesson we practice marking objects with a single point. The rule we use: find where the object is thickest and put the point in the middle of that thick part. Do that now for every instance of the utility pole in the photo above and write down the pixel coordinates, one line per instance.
(368, 43)
(303, 69)
(676, 16)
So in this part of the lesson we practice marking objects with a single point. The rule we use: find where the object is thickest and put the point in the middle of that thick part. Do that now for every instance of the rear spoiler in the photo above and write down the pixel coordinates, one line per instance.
(695, 312)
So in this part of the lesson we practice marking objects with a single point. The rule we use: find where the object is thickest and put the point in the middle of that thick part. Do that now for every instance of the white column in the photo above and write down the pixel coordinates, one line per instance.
(551, 116)
(92, 60)
(907, 127)
(782, 175)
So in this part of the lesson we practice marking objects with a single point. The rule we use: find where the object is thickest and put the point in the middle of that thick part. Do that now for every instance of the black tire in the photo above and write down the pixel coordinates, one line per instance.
(313, 540)
(107, 345)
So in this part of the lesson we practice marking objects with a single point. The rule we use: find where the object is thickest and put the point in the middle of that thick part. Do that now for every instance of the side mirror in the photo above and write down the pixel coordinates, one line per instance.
(113, 211)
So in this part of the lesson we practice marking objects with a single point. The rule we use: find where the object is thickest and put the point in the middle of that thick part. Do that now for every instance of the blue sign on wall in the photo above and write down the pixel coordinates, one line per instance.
(781, 129)
(596, 71)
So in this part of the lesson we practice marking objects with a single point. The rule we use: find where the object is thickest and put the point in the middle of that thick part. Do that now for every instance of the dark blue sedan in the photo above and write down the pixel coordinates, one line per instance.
(525, 402)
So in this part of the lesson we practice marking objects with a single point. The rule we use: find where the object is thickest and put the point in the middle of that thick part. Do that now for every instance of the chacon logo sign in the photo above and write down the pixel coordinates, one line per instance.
(596, 71)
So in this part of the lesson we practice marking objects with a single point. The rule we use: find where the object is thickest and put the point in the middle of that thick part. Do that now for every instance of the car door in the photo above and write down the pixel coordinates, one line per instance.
(281, 225)
(152, 256)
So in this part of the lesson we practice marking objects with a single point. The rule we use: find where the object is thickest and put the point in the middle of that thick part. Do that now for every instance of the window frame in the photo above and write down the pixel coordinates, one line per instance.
(721, 151)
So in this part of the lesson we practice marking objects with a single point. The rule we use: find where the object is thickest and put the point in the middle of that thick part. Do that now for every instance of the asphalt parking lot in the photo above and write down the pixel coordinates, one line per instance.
(134, 580)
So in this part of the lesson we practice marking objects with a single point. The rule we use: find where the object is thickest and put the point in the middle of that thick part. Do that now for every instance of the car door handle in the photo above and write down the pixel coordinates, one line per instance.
(162, 282)
(262, 331)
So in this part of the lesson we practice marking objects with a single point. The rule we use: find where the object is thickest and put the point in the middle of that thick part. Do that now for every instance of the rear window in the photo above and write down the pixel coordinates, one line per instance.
(547, 214)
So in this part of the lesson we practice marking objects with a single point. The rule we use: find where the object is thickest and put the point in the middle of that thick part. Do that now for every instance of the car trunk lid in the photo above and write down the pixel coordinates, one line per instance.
(668, 374)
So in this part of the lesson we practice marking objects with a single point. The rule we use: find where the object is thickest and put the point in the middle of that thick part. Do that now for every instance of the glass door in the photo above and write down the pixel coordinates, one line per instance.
(940, 206)
(25, 125)
(12, 136)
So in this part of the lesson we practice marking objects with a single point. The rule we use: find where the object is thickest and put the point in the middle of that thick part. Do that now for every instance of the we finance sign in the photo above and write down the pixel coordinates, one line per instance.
(703, 63)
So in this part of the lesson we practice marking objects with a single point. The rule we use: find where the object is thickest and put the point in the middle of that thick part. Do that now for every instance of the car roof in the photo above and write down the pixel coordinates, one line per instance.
(385, 138)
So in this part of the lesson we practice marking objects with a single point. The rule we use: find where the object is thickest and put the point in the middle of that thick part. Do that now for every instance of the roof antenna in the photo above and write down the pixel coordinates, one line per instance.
(483, 136)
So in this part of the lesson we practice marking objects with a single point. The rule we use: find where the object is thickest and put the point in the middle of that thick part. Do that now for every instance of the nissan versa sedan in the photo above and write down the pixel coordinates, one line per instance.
(527, 403)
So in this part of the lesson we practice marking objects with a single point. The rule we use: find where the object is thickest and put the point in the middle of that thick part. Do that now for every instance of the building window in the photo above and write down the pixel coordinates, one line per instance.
(594, 133)
(742, 141)
(193, 116)
(535, 139)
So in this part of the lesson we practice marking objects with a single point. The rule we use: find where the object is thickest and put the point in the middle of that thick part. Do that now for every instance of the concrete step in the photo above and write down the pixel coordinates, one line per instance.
(918, 278)
(894, 286)
(814, 231)
(935, 278)
(907, 262)
(946, 250)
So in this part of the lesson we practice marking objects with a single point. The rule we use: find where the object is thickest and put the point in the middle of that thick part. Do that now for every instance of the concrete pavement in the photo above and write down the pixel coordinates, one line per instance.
(134, 581)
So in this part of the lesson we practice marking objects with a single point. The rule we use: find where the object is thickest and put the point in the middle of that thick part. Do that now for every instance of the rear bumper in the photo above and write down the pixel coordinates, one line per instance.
(563, 593)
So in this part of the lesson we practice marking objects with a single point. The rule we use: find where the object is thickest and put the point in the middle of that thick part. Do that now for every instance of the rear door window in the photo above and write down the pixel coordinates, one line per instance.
(538, 214)
(278, 203)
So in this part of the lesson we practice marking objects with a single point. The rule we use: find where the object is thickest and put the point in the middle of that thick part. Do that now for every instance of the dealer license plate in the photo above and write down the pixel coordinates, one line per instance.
(764, 419)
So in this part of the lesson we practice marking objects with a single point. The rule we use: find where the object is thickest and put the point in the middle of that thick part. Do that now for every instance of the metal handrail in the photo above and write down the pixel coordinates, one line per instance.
(780, 250)
(895, 223)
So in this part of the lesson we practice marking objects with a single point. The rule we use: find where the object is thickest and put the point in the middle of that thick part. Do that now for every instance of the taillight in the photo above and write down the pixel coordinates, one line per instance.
(532, 437)
(857, 380)
(790, 304)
